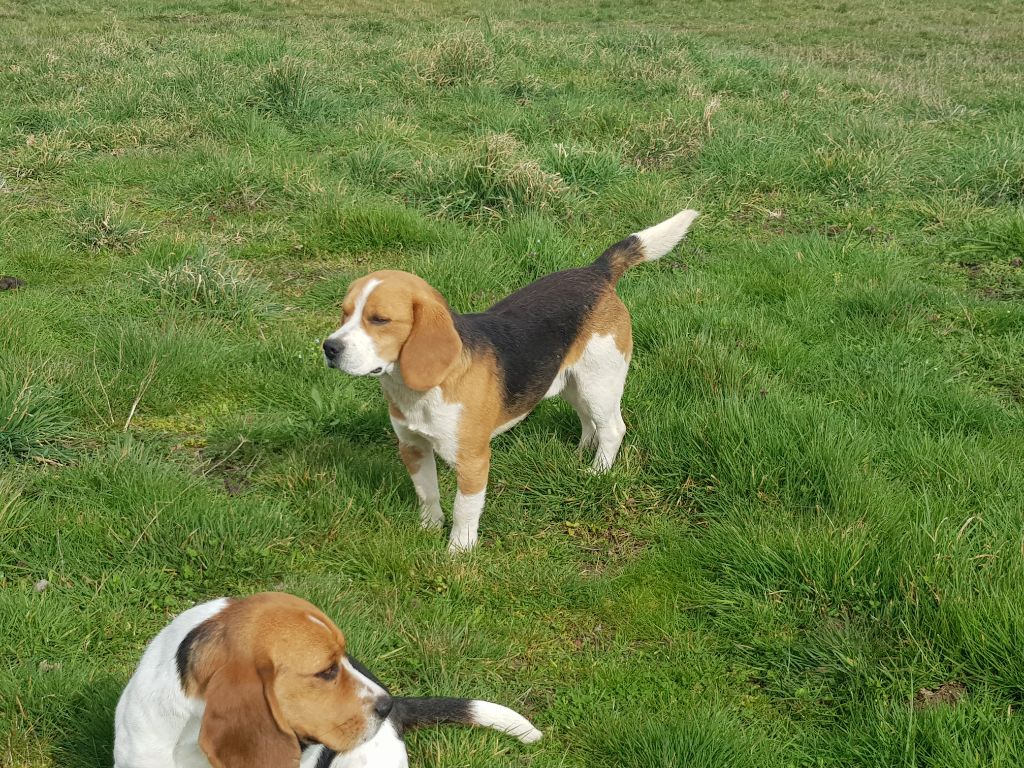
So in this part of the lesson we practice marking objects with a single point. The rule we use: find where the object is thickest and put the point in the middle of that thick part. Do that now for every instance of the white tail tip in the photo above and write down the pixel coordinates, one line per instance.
(505, 720)
(662, 238)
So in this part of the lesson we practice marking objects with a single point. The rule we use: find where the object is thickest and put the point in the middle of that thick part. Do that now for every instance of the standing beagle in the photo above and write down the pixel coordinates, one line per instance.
(455, 381)
(265, 681)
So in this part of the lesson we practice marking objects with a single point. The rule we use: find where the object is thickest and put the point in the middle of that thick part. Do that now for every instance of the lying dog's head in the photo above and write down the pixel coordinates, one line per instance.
(273, 672)
(394, 321)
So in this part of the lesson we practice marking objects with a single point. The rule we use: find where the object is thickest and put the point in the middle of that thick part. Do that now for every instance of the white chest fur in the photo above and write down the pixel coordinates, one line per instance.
(426, 414)
(385, 750)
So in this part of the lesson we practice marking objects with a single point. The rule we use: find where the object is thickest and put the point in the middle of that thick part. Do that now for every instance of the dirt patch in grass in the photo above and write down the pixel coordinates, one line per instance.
(231, 470)
(947, 694)
(606, 545)
(8, 283)
(995, 280)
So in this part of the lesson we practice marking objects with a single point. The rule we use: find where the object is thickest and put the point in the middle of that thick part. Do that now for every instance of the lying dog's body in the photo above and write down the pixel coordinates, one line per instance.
(455, 381)
(263, 682)
(244, 683)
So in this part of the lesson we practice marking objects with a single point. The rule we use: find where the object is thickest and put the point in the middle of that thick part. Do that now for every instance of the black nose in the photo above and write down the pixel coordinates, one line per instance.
(382, 706)
(333, 348)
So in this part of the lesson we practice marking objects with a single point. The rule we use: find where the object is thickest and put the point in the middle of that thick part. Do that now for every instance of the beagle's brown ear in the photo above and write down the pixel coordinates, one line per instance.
(433, 346)
(242, 725)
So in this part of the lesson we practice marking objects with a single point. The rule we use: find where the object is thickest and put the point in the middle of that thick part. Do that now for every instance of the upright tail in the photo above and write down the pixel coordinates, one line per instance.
(648, 245)
(416, 712)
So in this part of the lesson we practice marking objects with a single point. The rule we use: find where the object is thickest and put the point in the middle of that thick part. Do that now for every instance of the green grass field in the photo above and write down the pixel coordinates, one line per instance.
(816, 519)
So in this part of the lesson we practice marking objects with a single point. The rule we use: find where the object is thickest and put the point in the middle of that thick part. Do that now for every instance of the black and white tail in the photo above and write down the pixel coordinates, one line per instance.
(416, 712)
(647, 245)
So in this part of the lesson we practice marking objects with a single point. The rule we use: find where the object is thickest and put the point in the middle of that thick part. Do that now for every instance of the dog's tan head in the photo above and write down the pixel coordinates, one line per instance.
(395, 322)
(273, 672)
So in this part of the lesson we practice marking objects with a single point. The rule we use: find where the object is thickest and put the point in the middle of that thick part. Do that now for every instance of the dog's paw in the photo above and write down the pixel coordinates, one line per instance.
(431, 518)
(460, 544)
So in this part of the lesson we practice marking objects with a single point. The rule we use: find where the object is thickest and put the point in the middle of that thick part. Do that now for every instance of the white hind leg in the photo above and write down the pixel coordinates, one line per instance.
(588, 431)
(610, 431)
(597, 381)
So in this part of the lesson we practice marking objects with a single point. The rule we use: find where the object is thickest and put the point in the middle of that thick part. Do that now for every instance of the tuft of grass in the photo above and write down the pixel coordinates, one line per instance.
(107, 228)
(992, 257)
(710, 740)
(213, 285)
(667, 138)
(285, 90)
(33, 421)
(490, 178)
(41, 155)
(458, 59)
(372, 227)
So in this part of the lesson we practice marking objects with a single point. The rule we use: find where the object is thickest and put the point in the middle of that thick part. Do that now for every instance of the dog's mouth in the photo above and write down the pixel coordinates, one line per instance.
(377, 371)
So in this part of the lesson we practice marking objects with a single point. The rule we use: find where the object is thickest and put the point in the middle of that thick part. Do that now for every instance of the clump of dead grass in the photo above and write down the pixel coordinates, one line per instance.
(491, 178)
(216, 286)
(456, 60)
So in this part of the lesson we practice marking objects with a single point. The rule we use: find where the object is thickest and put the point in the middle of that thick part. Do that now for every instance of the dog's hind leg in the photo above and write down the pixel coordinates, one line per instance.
(588, 432)
(598, 378)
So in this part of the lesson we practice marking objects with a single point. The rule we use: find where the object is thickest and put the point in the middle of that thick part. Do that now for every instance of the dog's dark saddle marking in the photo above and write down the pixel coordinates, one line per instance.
(531, 330)
(183, 656)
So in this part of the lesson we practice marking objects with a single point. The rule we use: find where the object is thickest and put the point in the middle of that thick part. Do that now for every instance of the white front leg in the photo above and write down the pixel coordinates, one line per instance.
(466, 520)
(418, 456)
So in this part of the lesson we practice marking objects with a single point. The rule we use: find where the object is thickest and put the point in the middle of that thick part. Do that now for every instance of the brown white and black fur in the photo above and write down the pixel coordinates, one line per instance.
(387, 748)
(266, 682)
(244, 684)
(454, 381)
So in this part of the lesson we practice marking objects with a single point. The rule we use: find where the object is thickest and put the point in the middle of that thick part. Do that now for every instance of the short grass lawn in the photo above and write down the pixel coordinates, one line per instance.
(811, 549)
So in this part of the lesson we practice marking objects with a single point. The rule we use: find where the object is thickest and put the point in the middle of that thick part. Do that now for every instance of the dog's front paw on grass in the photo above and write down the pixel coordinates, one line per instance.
(460, 544)
(431, 518)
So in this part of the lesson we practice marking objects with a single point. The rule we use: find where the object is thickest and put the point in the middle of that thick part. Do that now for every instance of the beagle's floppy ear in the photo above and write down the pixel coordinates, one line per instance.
(242, 725)
(433, 346)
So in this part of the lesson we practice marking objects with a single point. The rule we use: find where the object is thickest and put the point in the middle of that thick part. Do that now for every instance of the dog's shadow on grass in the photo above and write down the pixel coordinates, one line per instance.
(552, 419)
(86, 726)
(253, 441)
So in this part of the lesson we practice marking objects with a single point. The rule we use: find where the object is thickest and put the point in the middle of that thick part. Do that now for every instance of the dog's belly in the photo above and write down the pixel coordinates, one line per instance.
(509, 424)
(557, 385)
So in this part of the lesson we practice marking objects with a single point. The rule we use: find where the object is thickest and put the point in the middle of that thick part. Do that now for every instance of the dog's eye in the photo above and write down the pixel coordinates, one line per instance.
(330, 673)
(378, 320)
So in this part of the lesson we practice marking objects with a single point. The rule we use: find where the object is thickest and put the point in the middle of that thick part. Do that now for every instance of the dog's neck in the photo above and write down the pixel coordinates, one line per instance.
(394, 385)
(398, 391)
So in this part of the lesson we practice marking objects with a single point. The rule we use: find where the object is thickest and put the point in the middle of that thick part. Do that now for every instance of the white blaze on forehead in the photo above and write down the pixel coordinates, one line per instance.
(361, 299)
(370, 690)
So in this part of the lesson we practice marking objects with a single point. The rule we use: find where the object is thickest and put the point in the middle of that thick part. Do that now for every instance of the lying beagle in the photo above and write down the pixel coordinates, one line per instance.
(387, 748)
(455, 381)
(263, 682)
